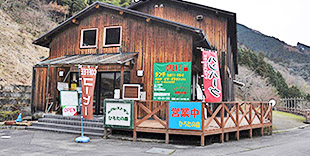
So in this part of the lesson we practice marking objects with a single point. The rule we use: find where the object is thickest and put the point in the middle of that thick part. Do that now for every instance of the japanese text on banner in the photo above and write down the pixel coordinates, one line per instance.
(211, 76)
(88, 79)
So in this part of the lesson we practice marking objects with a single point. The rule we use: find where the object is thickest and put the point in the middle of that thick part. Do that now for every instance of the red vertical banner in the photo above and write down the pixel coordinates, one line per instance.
(88, 79)
(211, 76)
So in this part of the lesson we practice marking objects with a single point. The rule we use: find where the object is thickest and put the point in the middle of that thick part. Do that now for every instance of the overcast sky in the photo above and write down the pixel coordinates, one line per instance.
(287, 20)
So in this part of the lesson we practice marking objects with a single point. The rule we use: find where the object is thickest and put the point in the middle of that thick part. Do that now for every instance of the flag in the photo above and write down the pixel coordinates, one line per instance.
(88, 79)
(211, 76)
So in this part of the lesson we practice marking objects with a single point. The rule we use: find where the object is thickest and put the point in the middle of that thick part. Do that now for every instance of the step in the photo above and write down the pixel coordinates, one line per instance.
(76, 118)
(69, 127)
(71, 122)
(62, 130)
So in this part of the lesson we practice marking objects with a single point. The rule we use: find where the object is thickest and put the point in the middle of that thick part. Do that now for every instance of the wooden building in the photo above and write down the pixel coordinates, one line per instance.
(218, 25)
(121, 41)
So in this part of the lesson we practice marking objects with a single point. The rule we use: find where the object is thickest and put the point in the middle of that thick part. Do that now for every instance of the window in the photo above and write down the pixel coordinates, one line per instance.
(89, 38)
(112, 36)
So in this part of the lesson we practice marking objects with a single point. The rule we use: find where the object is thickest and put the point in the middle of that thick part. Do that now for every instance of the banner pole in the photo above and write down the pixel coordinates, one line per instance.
(81, 108)
(82, 138)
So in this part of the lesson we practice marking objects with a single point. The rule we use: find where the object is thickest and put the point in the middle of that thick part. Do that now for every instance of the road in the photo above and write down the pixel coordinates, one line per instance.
(23, 142)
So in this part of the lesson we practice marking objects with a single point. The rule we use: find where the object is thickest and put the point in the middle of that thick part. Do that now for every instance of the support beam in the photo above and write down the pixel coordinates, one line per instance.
(202, 139)
(226, 137)
(237, 118)
(222, 123)
(122, 79)
(47, 87)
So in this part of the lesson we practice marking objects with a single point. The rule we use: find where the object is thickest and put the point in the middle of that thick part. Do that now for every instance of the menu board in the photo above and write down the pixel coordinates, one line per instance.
(172, 81)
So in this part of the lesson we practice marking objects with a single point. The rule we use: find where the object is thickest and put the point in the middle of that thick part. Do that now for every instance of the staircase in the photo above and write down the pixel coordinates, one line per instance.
(69, 124)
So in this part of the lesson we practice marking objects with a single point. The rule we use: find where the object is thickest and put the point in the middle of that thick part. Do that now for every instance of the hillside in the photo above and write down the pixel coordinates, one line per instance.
(297, 60)
(19, 26)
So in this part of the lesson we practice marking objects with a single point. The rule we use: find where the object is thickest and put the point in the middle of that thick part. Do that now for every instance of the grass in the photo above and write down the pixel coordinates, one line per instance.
(290, 115)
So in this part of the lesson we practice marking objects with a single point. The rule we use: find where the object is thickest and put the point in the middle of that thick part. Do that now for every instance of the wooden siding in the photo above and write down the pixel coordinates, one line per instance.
(214, 25)
(40, 89)
(155, 42)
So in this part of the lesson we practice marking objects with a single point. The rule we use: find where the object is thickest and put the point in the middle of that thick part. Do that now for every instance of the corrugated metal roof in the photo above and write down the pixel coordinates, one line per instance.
(90, 59)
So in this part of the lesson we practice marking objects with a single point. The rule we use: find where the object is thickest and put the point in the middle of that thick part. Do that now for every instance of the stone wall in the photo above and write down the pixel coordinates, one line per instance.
(13, 100)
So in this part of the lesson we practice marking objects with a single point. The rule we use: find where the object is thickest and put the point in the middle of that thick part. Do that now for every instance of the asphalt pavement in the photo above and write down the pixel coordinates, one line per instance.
(23, 142)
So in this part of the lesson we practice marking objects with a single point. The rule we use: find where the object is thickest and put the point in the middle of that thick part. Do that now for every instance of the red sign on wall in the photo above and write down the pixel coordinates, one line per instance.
(211, 76)
(88, 75)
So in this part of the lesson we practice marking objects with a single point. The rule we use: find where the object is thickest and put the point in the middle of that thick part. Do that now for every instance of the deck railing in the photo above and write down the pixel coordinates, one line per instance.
(217, 118)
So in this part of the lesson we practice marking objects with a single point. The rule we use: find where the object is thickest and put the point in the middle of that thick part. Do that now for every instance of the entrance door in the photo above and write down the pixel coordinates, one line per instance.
(108, 82)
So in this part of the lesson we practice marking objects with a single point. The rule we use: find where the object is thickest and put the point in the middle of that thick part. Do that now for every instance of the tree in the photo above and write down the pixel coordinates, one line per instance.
(77, 5)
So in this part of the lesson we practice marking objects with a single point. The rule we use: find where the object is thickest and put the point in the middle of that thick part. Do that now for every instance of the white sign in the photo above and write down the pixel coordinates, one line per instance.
(68, 98)
(118, 114)
(62, 86)
(69, 110)
(117, 94)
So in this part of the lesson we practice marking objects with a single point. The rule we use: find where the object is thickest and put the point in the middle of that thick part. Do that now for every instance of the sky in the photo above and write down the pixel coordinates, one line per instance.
(287, 20)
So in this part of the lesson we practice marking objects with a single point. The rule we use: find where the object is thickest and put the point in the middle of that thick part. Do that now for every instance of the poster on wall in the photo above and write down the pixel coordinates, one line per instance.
(118, 113)
(172, 81)
(211, 76)
(88, 79)
(185, 115)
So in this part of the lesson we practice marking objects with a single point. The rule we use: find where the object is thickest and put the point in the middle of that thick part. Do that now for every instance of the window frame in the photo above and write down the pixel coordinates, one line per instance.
(82, 36)
(104, 37)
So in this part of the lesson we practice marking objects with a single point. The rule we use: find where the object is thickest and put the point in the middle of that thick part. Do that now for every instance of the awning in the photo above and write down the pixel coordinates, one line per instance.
(90, 59)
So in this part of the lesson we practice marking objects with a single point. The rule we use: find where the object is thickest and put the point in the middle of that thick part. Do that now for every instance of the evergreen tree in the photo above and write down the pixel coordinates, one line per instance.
(259, 65)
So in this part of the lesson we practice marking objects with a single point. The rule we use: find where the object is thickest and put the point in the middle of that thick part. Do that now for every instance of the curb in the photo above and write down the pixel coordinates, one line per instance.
(292, 129)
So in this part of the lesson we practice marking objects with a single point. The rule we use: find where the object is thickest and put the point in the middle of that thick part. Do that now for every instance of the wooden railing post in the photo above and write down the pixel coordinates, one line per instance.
(250, 124)
(135, 121)
(167, 122)
(202, 139)
(270, 119)
(238, 122)
(262, 118)
(222, 122)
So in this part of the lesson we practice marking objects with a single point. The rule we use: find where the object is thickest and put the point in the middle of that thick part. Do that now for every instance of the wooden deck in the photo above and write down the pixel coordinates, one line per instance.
(226, 118)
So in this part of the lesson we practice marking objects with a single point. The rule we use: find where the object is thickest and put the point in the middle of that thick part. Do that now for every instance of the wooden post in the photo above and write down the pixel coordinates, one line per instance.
(271, 120)
(238, 122)
(167, 122)
(55, 88)
(226, 137)
(122, 80)
(134, 122)
(262, 119)
(105, 133)
(202, 139)
(250, 114)
(222, 123)
(47, 88)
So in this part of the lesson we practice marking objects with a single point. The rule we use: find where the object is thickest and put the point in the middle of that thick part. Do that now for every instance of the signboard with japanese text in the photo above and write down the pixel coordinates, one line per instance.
(172, 81)
(185, 115)
(88, 79)
(211, 76)
(118, 113)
